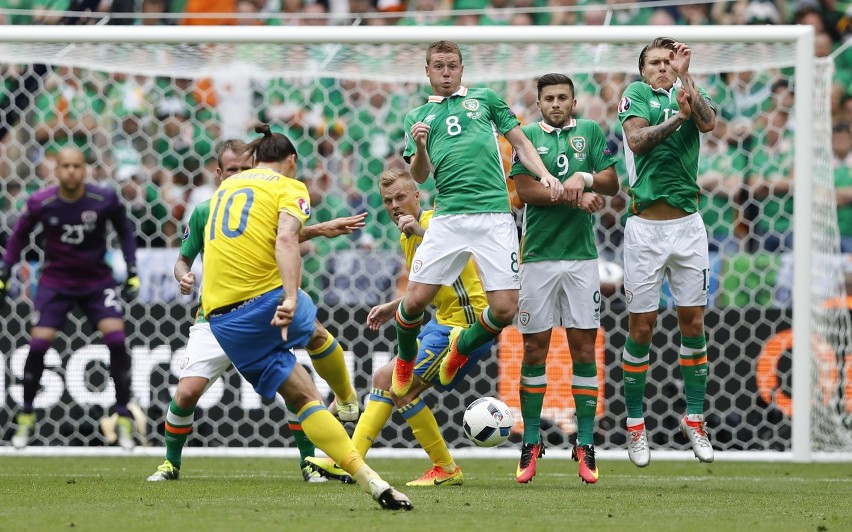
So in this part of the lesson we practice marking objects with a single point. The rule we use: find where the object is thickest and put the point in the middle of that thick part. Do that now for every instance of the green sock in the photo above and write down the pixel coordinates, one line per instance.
(635, 362)
(483, 330)
(584, 387)
(533, 387)
(178, 429)
(407, 329)
(693, 366)
(305, 445)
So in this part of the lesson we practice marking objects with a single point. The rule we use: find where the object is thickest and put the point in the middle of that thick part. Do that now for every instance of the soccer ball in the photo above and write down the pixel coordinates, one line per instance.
(611, 273)
(488, 421)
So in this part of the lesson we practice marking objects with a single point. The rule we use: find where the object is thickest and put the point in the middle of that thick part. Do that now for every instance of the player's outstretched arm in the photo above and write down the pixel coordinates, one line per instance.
(530, 158)
(382, 313)
(332, 228)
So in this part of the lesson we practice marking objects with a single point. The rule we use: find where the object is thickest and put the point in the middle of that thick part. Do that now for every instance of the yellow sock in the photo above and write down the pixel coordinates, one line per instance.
(329, 436)
(425, 429)
(373, 420)
(329, 363)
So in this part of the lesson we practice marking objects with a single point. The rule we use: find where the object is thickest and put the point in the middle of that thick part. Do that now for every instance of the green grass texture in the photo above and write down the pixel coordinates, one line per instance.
(247, 494)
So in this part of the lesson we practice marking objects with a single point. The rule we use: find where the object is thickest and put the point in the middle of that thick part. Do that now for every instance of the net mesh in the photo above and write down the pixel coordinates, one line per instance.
(150, 116)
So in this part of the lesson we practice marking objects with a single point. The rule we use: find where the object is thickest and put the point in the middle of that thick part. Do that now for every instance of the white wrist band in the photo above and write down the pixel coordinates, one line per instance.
(588, 179)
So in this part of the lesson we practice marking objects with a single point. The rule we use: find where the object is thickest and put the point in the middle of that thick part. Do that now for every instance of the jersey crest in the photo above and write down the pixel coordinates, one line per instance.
(578, 143)
(89, 219)
(471, 104)
(624, 104)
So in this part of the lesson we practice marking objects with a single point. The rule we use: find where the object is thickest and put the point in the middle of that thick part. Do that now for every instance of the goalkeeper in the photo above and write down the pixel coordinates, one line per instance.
(204, 360)
(73, 215)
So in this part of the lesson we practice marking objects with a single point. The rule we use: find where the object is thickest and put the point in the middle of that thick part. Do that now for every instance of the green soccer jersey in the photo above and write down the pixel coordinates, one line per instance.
(560, 232)
(462, 147)
(669, 170)
(193, 241)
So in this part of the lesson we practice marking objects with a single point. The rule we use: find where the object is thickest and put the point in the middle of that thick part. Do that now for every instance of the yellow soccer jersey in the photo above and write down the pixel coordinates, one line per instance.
(459, 304)
(239, 237)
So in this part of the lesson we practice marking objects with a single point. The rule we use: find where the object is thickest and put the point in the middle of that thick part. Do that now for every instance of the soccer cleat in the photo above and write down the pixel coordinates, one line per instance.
(345, 411)
(438, 477)
(696, 433)
(403, 374)
(585, 454)
(453, 361)
(328, 469)
(637, 445)
(530, 453)
(124, 429)
(26, 428)
(388, 497)
(167, 471)
(311, 475)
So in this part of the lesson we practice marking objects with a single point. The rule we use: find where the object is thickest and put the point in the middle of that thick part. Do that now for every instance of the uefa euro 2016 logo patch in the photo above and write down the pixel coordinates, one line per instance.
(186, 232)
(624, 104)
(304, 206)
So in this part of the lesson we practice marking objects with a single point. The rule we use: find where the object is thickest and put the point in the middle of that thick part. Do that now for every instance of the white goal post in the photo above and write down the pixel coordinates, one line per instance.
(203, 51)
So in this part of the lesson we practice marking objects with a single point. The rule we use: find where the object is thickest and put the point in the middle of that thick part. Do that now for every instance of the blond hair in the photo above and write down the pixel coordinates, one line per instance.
(389, 177)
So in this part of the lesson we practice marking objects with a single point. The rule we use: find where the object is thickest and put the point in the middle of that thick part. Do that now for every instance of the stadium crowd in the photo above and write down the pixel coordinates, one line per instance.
(154, 138)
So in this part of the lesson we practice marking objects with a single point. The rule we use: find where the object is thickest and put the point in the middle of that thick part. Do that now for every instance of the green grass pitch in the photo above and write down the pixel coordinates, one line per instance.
(247, 494)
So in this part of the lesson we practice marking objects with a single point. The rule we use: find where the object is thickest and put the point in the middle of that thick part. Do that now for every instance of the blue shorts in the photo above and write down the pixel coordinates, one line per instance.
(434, 343)
(255, 346)
(51, 306)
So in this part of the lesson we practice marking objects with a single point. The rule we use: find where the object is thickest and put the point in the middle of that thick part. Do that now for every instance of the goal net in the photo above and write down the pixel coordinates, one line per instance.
(149, 106)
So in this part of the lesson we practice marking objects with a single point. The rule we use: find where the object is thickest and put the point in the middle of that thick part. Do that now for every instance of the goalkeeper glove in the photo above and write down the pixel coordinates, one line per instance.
(5, 274)
(130, 287)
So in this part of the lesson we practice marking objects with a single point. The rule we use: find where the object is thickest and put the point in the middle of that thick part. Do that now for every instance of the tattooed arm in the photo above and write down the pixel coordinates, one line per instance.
(702, 113)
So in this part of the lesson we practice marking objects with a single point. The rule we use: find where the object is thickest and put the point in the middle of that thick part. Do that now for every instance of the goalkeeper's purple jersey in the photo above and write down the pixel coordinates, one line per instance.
(74, 234)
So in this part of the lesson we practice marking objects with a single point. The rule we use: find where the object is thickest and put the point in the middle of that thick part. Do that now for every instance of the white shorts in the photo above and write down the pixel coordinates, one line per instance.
(655, 249)
(450, 240)
(203, 356)
(559, 293)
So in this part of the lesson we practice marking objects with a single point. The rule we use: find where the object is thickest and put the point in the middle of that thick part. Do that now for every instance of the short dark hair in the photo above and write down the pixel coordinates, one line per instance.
(443, 47)
(271, 147)
(235, 145)
(660, 42)
(554, 79)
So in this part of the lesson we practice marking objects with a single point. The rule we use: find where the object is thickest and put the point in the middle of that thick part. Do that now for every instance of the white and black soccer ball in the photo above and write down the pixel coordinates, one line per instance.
(611, 273)
(488, 422)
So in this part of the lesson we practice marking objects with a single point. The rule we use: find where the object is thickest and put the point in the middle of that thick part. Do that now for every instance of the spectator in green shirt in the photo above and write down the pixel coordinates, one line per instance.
(841, 145)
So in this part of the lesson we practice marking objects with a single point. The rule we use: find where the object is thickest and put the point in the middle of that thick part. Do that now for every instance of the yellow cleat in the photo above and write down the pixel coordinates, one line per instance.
(326, 468)
(438, 477)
